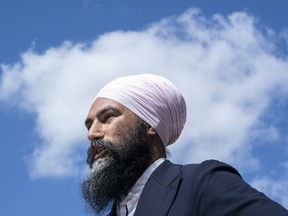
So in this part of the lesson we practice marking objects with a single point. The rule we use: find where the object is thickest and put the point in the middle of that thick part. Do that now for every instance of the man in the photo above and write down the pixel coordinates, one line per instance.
(130, 123)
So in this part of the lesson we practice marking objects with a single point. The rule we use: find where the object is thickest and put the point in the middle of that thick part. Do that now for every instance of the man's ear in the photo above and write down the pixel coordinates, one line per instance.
(151, 131)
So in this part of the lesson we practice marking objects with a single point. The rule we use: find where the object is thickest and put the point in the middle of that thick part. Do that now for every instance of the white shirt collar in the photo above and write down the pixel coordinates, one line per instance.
(131, 200)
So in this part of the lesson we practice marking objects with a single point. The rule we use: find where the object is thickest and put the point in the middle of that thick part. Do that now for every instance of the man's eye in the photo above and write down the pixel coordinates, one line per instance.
(108, 117)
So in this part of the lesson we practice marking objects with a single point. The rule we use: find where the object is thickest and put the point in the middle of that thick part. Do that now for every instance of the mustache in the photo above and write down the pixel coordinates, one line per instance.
(104, 144)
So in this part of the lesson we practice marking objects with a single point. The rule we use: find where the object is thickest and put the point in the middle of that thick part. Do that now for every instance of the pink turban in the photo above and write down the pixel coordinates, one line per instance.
(154, 99)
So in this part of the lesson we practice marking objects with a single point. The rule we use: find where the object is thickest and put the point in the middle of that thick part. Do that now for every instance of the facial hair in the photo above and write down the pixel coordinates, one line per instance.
(113, 176)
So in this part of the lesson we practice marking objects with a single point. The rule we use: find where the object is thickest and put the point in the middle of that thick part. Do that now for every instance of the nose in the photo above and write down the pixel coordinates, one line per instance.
(95, 132)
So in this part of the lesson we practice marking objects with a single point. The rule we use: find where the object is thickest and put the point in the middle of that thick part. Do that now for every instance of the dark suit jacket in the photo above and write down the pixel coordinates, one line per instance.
(211, 188)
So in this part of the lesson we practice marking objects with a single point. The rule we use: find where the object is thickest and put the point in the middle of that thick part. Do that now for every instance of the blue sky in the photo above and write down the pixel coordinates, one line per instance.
(228, 58)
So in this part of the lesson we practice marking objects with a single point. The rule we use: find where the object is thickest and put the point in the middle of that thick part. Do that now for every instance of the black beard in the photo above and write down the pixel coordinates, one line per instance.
(126, 163)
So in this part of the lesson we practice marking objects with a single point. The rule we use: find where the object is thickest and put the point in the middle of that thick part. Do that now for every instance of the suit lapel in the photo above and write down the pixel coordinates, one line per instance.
(160, 190)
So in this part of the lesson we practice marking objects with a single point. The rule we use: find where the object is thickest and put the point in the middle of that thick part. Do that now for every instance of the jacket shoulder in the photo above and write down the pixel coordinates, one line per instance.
(207, 166)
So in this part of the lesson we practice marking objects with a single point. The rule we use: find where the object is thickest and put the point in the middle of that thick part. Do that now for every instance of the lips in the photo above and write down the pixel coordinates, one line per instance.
(99, 152)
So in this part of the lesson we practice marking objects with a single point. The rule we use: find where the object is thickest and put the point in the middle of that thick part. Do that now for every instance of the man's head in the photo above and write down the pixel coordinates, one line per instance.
(154, 99)
(131, 121)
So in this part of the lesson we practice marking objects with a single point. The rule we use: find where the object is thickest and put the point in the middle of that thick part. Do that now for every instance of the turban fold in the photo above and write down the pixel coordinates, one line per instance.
(154, 99)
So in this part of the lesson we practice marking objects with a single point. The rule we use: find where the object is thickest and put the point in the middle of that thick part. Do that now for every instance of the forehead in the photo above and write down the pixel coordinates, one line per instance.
(103, 103)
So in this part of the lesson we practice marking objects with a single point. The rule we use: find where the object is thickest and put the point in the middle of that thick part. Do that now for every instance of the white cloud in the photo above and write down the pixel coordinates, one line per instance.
(225, 67)
(274, 187)
(277, 189)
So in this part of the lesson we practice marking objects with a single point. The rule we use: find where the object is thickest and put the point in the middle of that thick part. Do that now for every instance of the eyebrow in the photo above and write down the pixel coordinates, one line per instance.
(88, 121)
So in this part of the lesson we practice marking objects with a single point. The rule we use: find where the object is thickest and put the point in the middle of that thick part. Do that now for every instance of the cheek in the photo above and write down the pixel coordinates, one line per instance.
(122, 129)
(117, 131)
